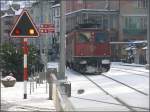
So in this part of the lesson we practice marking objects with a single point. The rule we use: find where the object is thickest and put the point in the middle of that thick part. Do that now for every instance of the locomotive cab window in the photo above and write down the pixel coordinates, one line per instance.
(83, 37)
(101, 37)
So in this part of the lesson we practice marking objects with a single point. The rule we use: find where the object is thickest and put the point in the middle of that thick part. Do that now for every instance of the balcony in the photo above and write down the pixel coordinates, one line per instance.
(134, 31)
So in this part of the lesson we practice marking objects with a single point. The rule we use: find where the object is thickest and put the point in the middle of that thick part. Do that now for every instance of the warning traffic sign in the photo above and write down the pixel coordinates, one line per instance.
(24, 27)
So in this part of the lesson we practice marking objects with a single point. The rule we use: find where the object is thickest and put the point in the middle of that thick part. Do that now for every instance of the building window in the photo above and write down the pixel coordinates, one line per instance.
(79, 1)
(57, 11)
(135, 24)
(105, 22)
(8, 22)
(7, 31)
(142, 3)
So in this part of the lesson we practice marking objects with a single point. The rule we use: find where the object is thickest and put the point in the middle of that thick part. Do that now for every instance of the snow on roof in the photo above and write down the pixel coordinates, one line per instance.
(10, 78)
(17, 12)
(130, 48)
(144, 47)
(57, 5)
(6, 15)
(139, 41)
(92, 10)
(131, 42)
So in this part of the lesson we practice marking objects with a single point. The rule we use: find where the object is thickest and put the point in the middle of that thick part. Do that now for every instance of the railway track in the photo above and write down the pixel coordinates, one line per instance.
(130, 71)
(141, 92)
(131, 108)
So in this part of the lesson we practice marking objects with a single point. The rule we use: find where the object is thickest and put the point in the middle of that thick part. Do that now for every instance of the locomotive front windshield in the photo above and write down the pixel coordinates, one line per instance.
(99, 37)
(84, 37)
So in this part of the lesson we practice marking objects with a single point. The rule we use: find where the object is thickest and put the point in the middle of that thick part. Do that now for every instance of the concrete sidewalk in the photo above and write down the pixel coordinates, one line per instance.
(12, 98)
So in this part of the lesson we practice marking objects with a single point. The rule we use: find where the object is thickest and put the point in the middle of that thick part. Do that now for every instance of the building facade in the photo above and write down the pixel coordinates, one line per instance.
(133, 27)
(41, 14)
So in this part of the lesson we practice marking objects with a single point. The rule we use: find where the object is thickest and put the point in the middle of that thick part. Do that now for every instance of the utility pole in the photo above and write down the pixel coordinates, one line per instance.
(148, 22)
(62, 40)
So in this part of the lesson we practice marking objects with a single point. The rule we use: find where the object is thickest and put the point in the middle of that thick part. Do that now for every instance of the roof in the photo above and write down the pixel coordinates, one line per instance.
(7, 15)
(145, 47)
(139, 41)
(131, 42)
(130, 48)
(96, 11)
(17, 12)
(57, 5)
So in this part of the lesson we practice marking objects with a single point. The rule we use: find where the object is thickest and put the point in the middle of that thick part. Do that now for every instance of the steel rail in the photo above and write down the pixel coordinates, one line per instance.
(117, 99)
(125, 85)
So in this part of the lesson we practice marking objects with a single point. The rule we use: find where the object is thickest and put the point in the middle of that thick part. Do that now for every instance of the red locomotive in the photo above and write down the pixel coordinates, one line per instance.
(88, 50)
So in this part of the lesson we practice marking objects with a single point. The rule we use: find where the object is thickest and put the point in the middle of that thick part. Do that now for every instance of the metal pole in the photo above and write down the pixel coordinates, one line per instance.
(148, 30)
(30, 86)
(25, 49)
(46, 56)
(62, 40)
(33, 80)
(46, 4)
(41, 21)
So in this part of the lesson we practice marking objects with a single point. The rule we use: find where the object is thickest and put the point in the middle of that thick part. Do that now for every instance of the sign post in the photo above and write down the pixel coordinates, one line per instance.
(24, 28)
(46, 28)
(25, 70)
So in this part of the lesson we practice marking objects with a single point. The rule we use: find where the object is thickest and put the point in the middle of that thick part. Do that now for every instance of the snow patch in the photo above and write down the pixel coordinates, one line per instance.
(9, 78)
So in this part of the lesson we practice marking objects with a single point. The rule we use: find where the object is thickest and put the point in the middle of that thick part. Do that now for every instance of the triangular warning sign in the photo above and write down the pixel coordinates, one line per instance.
(24, 27)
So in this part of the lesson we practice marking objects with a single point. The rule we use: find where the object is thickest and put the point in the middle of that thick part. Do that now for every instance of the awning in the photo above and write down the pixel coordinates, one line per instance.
(131, 42)
(130, 48)
(139, 41)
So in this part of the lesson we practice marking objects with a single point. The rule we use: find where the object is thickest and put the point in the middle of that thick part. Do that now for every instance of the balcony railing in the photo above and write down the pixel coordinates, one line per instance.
(135, 31)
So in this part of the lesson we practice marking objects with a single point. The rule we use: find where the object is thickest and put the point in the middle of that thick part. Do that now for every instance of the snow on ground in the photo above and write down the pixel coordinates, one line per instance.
(135, 76)
(138, 81)
(12, 98)
(127, 64)
(93, 99)
(10, 78)
(128, 95)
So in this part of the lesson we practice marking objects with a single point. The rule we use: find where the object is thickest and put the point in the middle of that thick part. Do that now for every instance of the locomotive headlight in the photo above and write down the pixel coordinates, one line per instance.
(83, 62)
(105, 61)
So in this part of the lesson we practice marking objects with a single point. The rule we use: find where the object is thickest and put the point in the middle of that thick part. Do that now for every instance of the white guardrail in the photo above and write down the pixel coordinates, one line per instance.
(61, 101)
